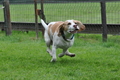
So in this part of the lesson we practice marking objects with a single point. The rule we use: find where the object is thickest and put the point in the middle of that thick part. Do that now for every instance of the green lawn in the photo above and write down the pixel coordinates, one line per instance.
(87, 12)
(23, 57)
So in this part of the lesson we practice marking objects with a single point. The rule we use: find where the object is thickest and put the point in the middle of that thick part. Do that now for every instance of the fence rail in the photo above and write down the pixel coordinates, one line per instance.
(90, 28)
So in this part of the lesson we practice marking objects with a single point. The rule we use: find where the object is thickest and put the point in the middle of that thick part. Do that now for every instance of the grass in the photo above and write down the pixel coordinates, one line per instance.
(23, 57)
(86, 12)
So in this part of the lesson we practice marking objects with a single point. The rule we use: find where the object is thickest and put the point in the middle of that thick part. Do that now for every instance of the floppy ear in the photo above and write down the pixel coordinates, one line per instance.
(81, 26)
(62, 27)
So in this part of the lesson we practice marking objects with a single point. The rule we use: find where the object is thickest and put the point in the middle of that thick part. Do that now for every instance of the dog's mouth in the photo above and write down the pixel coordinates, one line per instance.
(75, 31)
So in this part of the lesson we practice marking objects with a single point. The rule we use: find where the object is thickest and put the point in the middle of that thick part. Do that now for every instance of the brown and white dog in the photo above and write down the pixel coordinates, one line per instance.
(61, 35)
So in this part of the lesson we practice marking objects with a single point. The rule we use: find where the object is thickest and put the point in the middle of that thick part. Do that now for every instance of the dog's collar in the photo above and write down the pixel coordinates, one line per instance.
(63, 35)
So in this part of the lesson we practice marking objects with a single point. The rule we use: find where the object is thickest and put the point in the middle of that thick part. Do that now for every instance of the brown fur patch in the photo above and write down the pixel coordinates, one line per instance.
(65, 25)
(49, 29)
(81, 26)
(56, 27)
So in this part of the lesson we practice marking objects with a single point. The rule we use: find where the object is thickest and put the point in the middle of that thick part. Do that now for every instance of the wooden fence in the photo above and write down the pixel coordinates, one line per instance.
(102, 28)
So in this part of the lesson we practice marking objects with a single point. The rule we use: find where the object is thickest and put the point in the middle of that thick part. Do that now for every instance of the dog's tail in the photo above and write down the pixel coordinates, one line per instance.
(44, 24)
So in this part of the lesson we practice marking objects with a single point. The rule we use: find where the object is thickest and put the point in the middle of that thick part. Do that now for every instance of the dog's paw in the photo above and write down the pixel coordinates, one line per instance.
(71, 55)
(53, 60)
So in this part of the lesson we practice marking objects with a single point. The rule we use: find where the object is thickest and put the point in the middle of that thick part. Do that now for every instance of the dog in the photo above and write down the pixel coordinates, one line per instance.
(61, 35)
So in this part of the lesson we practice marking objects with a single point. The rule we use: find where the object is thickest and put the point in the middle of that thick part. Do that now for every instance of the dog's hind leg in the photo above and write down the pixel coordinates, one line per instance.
(66, 52)
(63, 53)
(48, 43)
(48, 49)
(69, 54)
(53, 53)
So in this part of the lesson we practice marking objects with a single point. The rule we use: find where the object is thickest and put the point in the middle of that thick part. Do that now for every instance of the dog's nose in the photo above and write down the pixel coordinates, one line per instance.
(75, 26)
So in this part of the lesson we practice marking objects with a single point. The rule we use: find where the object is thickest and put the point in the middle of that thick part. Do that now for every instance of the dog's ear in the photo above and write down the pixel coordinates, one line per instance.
(62, 27)
(81, 26)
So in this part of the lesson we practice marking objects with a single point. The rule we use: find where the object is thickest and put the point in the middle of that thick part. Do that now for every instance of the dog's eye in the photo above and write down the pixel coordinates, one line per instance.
(75, 23)
(69, 23)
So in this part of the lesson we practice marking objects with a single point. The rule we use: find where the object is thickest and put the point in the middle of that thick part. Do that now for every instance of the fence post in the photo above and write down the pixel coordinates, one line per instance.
(42, 11)
(104, 24)
(7, 26)
(36, 18)
(41, 14)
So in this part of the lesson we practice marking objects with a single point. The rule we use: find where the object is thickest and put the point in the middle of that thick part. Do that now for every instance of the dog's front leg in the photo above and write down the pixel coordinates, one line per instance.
(53, 53)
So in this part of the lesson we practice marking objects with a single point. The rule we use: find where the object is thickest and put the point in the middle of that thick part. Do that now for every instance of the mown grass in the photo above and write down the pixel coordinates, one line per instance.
(87, 12)
(23, 57)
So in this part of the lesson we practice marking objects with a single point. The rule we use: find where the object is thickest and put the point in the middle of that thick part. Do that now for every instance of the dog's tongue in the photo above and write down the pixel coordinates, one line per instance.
(73, 31)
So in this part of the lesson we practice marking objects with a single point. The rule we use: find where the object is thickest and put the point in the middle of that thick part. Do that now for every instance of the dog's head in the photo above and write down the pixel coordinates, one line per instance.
(72, 26)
